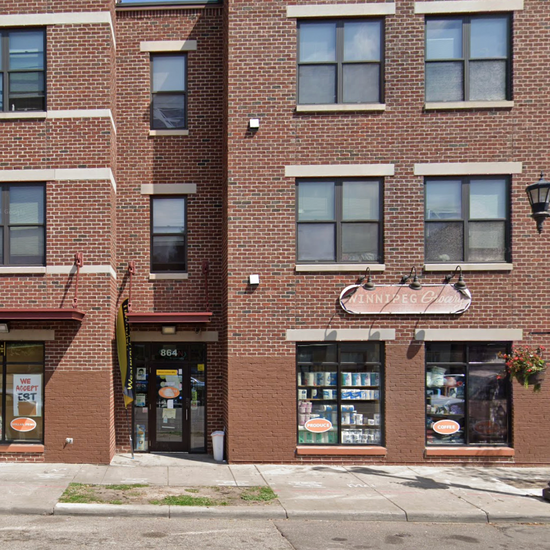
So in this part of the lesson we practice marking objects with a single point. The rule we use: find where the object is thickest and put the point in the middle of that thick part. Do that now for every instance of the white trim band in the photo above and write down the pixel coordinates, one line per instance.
(59, 174)
(184, 336)
(359, 268)
(86, 270)
(467, 168)
(468, 334)
(341, 10)
(468, 6)
(169, 46)
(31, 335)
(168, 132)
(68, 113)
(339, 335)
(338, 170)
(68, 18)
(168, 188)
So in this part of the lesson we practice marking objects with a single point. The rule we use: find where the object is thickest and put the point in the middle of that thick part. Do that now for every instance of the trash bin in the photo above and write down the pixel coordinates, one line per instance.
(217, 444)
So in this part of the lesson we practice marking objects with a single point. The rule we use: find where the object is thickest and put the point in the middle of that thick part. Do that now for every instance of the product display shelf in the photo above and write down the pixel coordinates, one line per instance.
(361, 425)
(316, 387)
(320, 399)
(358, 400)
(359, 387)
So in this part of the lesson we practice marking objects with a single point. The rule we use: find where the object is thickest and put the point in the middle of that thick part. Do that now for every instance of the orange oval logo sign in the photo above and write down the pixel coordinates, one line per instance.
(446, 427)
(23, 424)
(169, 392)
(318, 425)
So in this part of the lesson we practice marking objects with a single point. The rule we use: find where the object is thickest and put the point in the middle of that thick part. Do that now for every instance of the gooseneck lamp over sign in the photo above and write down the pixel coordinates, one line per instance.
(539, 199)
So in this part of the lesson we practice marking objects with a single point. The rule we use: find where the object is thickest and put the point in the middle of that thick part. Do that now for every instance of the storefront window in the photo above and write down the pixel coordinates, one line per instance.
(22, 392)
(467, 395)
(340, 394)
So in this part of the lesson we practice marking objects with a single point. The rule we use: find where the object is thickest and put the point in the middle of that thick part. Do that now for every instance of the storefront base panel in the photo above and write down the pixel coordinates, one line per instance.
(21, 453)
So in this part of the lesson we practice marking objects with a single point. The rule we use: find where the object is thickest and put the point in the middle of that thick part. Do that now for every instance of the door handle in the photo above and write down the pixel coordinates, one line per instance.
(187, 405)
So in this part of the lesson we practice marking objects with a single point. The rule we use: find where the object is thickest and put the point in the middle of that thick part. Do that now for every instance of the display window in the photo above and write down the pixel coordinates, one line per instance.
(22, 392)
(467, 395)
(340, 394)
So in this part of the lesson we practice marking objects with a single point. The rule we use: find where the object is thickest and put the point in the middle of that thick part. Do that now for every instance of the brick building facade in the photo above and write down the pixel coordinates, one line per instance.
(231, 168)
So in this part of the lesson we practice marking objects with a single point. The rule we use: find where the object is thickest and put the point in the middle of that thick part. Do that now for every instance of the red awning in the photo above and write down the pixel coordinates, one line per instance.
(143, 317)
(35, 314)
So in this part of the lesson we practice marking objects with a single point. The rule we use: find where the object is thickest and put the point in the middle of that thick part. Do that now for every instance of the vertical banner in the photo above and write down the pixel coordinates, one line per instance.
(27, 395)
(124, 348)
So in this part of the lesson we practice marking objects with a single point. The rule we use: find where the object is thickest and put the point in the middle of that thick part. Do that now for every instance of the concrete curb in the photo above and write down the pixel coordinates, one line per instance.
(347, 515)
(122, 510)
(130, 510)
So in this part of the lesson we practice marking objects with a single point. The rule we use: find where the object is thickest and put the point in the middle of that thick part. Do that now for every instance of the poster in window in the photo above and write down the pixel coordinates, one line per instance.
(27, 395)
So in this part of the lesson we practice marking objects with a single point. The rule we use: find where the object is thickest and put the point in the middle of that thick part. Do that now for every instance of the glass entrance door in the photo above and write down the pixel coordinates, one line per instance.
(169, 421)
(170, 401)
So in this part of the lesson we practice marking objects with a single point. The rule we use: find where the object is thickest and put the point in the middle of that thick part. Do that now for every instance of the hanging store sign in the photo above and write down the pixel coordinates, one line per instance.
(402, 299)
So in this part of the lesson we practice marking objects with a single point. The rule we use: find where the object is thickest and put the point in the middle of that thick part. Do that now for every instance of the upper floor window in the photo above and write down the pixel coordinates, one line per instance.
(168, 234)
(22, 226)
(22, 70)
(339, 221)
(468, 58)
(467, 219)
(168, 91)
(340, 61)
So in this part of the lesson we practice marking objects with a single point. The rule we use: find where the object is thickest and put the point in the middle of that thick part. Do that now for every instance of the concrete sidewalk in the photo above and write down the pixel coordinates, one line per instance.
(375, 493)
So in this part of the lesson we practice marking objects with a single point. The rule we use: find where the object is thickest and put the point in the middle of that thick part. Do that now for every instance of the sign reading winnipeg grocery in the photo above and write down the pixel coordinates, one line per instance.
(402, 299)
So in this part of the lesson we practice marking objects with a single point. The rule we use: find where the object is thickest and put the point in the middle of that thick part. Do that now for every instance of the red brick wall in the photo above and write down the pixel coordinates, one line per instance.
(261, 213)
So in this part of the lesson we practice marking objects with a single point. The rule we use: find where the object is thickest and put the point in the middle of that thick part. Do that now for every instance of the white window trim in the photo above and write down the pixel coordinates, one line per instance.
(469, 267)
(341, 10)
(467, 6)
(334, 268)
(468, 334)
(335, 107)
(467, 168)
(31, 335)
(169, 46)
(168, 188)
(340, 335)
(339, 170)
(452, 105)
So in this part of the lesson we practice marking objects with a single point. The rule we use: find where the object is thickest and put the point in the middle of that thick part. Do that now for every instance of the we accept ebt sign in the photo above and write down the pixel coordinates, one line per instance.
(27, 395)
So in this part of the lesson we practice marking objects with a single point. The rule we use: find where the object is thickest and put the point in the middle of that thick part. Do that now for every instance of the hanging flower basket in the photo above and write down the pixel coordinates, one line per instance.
(526, 365)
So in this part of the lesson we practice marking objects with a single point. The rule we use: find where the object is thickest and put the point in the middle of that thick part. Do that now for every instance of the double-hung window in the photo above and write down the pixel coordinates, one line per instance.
(467, 219)
(169, 234)
(339, 221)
(468, 58)
(168, 92)
(22, 224)
(22, 70)
(467, 395)
(340, 61)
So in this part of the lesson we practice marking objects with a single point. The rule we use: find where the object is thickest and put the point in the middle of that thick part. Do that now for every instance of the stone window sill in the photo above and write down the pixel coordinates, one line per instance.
(168, 276)
(21, 448)
(469, 267)
(469, 451)
(159, 133)
(307, 450)
(359, 268)
(452, 105)
(340, 107)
